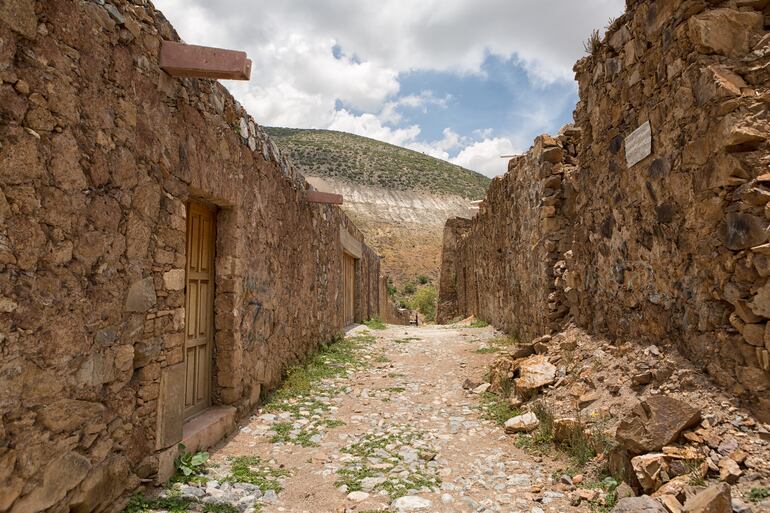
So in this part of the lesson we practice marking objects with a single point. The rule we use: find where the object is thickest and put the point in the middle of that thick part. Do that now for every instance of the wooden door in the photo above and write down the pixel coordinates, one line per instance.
(199, 307)
(349, 288)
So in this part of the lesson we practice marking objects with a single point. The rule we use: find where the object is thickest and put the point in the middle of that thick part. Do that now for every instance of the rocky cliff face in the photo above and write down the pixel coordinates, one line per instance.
(404, 227)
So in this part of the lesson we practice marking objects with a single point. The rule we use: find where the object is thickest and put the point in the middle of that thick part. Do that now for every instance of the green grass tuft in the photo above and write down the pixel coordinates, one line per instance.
(252, 470)
(375, 324)
(141, 504)
(758, 494)
(497, 408)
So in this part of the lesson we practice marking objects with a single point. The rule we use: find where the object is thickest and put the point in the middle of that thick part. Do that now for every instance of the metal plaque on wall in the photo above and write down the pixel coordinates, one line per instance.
(639, 145)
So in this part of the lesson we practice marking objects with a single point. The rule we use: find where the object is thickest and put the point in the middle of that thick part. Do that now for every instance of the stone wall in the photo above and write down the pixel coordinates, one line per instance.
(503, 260)
(449, 304)
(667, 248)
(671, 250)
(389, 312)
(100, 153)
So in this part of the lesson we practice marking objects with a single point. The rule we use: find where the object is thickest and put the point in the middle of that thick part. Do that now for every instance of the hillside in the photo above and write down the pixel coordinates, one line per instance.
(359, 160)
(399, 198)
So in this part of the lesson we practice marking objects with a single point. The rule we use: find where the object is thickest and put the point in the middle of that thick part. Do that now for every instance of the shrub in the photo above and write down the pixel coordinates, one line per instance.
(423, 279)
(409, 289)
(424, 301)
(594, 43)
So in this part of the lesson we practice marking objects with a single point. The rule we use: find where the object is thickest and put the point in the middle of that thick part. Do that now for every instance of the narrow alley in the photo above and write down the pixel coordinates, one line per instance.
(389, 427)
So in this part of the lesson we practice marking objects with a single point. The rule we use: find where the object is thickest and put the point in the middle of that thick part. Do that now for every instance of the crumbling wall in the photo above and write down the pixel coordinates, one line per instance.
(505, 257)
(100, 153)
(668, 206)
(672, 249)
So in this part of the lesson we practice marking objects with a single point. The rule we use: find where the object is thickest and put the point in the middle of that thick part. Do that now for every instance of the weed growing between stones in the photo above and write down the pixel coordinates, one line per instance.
(397, 462)
(758, 494)
(333, 361)
(375, 323)
(381, 359)
(189, 466)
(478, 324)
(299, 408)
(220, 507)
(496, 345)
(252, 470)
(606, 501)
(139, 503)
(497, 408)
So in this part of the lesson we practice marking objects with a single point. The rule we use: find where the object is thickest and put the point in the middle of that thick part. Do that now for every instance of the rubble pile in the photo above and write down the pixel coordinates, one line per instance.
(654, 422)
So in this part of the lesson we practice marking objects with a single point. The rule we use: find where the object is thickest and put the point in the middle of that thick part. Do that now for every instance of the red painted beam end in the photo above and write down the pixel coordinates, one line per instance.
(324, 197)
(181, 60)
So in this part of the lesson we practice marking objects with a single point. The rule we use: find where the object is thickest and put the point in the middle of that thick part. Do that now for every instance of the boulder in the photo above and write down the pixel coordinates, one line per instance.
(654, 423)
(522, 424)
(671, 503)
(522, 351)
(729, 471)
(642, 504)
(534, 373)
(649, 470)
(564, 429)
(715, 499)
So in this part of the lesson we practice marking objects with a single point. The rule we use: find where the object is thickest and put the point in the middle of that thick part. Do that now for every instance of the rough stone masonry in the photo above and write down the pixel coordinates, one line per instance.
(658, 236)
(101, 154)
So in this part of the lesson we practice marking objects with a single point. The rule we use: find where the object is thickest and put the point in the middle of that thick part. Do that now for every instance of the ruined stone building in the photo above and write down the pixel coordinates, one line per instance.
(648, 219)
(160, 264)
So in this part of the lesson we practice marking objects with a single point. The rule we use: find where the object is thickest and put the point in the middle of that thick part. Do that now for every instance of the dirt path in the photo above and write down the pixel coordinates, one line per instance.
(401, 425)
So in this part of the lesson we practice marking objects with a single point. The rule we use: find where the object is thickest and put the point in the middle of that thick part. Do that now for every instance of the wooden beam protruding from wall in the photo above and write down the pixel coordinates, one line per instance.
(326, 198)
(181, 60)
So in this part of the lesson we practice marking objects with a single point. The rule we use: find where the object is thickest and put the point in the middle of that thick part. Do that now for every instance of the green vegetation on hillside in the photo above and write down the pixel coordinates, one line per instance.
(363, 161)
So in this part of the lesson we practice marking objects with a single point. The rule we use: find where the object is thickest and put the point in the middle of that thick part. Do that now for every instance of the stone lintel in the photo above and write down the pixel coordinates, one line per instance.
(350, 244)
(326, 198)
(181, 60)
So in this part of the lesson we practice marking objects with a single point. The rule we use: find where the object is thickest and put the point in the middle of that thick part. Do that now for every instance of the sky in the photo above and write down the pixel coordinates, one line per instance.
(462, 80)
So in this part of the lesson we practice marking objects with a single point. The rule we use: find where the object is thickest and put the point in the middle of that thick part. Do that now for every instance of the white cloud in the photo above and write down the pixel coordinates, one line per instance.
(484, 156)
(297, 81)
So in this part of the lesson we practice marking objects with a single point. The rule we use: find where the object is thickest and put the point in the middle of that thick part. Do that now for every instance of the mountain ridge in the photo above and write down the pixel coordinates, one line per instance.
(364, 161)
